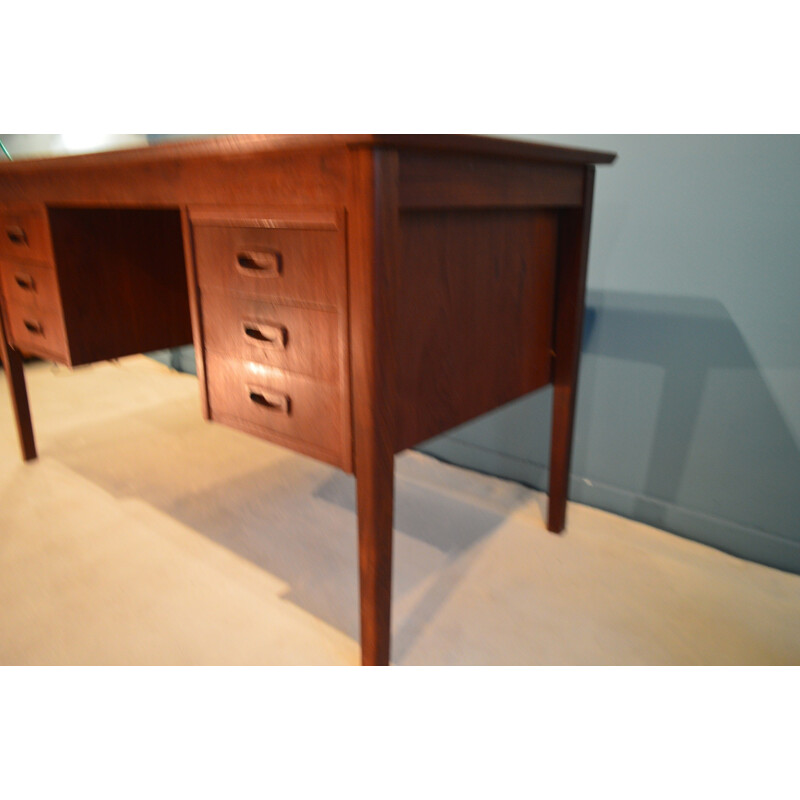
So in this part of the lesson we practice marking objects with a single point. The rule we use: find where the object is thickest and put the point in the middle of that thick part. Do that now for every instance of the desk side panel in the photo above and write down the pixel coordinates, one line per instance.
(473, 313)
(434, 181)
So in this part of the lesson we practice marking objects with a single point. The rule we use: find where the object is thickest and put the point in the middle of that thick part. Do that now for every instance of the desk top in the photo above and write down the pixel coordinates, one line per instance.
(230, 146)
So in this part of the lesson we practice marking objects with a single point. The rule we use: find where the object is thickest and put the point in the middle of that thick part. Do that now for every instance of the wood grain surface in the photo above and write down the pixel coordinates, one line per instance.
(348, 296)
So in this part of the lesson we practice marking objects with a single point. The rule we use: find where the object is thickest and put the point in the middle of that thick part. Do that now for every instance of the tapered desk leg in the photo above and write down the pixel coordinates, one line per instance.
(375, 489)
(574, 230)
(12, 362)
(373, 245)
(561, 446)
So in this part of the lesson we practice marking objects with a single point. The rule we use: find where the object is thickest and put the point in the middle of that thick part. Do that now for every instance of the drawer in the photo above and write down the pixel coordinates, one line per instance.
(25, 235)
(293, 410)
(303, 265)
(30, 286)
(301, 340)
(38, 332)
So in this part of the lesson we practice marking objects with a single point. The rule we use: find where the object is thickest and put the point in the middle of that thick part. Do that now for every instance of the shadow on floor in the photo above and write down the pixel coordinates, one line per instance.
(285, 513)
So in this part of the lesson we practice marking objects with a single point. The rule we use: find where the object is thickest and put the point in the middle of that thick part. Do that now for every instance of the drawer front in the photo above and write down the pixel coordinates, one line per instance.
(293, 410)
(30, 286)
(25, 235)
(38, 332)
(301, 265)
(301, 340)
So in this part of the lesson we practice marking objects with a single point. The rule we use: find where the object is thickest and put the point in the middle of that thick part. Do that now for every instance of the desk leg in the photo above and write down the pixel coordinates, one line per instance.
(561, 447)
(375, 489)
(15, 375)
(573, 257)
(373, 241)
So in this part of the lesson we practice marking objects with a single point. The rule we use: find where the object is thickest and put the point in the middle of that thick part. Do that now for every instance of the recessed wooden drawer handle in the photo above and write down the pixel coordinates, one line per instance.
(263, 263)
(25, 281)
(34, 327)
(16, 235)
(272, 401)
(265, 334)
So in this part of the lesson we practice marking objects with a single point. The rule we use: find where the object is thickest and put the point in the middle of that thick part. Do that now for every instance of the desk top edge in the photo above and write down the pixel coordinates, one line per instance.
(231, 146)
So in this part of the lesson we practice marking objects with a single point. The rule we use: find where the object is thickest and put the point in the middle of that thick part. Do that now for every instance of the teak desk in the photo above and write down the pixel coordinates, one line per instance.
(348, 296)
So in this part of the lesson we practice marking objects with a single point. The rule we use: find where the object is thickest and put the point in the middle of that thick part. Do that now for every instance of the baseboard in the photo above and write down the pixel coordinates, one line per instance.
(726, 535)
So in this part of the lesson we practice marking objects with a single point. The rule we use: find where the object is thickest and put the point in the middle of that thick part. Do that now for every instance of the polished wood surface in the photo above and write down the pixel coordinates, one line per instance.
(111, 264)
(451, 181)
(348, 295)
(307, 266)
(244, 145)
(32, 286)
(570, 301)
(24, 236)
(293, 410)
(147, 178)
(38, 332)
(374, 236)
(294, 338)
(472, 280)
(15, 376)
(272, 294)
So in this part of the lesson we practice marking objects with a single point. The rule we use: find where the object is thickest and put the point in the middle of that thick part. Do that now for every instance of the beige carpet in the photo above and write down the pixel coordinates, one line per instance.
(144, 535)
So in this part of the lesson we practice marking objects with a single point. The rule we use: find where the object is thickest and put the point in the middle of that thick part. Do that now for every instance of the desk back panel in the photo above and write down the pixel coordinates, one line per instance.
(122, 276)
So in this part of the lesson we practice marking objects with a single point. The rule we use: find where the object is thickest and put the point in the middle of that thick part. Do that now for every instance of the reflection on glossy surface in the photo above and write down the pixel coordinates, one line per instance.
(35, 145)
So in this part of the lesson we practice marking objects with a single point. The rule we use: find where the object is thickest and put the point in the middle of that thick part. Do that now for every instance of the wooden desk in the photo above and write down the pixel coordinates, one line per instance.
(348, 296)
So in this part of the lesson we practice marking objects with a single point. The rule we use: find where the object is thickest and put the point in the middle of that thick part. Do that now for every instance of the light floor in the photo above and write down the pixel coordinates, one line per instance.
(144, 535)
